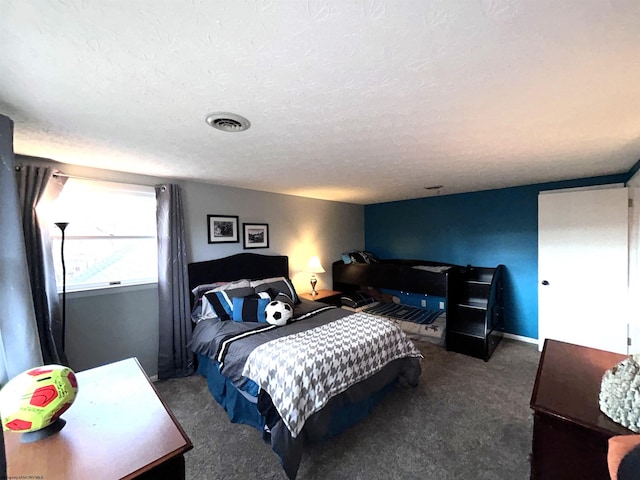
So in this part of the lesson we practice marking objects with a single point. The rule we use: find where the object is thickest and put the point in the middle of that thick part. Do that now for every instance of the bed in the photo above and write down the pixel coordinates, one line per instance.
(435, 279)
(298, 383)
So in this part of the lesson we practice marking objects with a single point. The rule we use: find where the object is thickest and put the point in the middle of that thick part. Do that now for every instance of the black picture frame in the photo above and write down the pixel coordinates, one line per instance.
(222, 229)
(255, 235)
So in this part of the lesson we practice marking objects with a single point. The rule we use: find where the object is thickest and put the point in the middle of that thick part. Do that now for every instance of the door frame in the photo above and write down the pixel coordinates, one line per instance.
(630, 310)
(634, 263)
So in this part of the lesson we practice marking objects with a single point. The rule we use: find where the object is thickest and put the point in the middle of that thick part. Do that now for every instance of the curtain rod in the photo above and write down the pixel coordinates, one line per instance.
(58, 173)
(78, 177)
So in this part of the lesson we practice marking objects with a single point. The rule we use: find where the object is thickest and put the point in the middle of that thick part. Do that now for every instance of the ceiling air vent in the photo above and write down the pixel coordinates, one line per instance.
(228, 122)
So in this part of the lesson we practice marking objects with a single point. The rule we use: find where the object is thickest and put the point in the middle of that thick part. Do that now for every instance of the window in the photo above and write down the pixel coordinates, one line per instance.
(111, 238)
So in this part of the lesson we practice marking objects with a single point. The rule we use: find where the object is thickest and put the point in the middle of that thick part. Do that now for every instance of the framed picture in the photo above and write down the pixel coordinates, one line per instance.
(256, 235)
(223, 229)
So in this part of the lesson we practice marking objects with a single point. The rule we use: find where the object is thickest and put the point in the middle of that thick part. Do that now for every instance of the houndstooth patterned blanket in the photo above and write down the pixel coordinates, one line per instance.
(303, 371)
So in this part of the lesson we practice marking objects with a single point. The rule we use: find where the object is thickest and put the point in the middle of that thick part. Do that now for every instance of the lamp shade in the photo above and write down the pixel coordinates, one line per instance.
(314, 266)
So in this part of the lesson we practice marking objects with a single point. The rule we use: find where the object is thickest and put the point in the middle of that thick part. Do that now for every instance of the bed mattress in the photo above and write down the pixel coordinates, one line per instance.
(417, 323)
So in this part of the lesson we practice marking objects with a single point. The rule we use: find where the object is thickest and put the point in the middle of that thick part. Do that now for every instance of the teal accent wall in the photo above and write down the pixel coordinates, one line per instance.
(480, 228)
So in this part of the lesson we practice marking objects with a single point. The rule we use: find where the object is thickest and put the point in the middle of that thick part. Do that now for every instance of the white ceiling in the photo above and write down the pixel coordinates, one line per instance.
(355, 101)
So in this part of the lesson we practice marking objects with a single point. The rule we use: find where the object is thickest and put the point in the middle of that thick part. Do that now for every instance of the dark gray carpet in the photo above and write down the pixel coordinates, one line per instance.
(467, 420)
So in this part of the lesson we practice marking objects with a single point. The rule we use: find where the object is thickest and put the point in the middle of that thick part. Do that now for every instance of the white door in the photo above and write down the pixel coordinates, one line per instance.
(634, 264)
(583, 267)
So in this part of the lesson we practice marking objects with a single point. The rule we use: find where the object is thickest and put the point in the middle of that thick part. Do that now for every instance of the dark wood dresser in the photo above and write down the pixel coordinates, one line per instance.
(570, 433)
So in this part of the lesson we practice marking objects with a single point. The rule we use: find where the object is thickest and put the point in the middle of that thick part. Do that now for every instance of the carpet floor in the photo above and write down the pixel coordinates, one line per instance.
(466, 420)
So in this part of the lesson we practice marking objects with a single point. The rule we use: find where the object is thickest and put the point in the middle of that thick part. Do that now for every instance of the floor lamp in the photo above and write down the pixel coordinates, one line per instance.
(62, 226)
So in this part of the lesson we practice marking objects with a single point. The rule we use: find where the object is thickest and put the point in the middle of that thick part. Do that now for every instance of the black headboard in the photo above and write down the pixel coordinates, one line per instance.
(242, 265)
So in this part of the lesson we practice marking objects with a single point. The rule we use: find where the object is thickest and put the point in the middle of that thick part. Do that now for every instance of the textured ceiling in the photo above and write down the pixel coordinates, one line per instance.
(355, 101)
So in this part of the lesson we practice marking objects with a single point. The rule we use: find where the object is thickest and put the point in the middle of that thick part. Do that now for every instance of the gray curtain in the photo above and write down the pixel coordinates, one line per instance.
(36, 185)
(174, 357)
(19, 339)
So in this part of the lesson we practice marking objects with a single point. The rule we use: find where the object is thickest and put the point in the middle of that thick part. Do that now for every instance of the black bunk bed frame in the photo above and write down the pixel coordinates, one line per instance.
(474, 296)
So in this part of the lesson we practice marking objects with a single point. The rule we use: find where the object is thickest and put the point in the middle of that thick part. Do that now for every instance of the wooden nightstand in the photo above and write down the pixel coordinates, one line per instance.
(332, 297)
(118, 427)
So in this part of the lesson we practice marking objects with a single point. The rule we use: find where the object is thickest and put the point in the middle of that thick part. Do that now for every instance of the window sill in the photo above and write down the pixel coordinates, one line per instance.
(110, 290)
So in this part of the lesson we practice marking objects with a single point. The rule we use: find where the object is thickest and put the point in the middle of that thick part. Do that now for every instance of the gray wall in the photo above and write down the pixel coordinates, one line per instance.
(298, 227)
(111, 324)
(114, 323)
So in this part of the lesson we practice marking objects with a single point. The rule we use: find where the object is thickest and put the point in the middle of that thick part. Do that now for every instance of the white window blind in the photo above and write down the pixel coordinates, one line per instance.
(111, 238)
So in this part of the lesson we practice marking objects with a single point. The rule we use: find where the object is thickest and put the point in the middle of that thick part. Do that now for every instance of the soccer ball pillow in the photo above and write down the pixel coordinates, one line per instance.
(36, 398)
(278, 313)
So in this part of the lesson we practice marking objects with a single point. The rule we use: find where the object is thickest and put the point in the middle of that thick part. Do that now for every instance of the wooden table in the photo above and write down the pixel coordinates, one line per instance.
(323, 295)
(118, 427)
(570, 433)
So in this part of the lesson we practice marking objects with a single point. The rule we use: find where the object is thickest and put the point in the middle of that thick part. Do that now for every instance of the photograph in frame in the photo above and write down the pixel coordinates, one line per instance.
(222, 229)
(256, 235)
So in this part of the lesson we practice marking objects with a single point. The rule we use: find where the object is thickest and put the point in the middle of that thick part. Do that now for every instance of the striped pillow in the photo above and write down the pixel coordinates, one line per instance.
(250, 308)
(207, 310)
(284, 298)
(279, 285)
(222, 301)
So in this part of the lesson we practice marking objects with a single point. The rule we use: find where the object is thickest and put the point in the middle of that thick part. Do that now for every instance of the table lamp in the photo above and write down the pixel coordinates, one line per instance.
(314, 267)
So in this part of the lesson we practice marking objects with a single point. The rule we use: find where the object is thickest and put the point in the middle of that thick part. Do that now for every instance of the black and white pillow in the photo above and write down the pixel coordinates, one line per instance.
(284, 298)
(207, 311)
(356, 300)
(221, 301)
(200, 312)
(277, 284)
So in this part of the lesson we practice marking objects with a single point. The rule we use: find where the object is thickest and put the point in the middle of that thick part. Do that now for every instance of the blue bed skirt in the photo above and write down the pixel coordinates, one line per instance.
(239, 408)
(242, 408)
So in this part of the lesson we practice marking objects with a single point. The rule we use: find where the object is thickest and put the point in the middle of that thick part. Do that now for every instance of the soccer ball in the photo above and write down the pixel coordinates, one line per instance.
(36, 398)
(278, 313)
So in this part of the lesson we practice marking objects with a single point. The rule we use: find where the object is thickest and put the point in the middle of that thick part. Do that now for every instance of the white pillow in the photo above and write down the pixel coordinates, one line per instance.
(234, 284)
